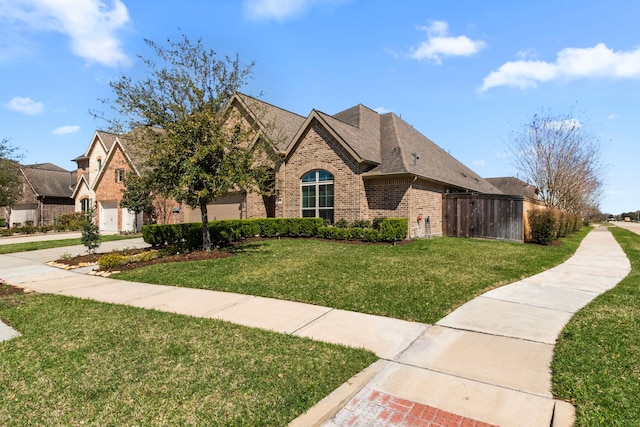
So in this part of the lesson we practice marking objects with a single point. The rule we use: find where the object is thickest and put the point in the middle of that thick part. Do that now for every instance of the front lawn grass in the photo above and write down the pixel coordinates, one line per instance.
(10, 248)
(83, 362)
(420, 281)
(596, 365)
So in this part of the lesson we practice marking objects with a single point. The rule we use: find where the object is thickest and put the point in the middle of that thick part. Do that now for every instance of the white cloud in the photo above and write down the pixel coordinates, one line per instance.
(572, 63)
(65, 130)
(25, 105)
(381, 110)
(479, 162)
(281, 10)
(91, 25)
(439, 44)
(612, 116)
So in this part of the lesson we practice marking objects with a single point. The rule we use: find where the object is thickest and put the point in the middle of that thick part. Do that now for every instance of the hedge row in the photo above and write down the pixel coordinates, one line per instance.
(547, 226)
(64, 222)
(189, 236)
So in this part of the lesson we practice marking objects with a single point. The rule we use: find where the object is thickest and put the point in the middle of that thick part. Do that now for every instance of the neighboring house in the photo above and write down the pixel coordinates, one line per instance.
(47, 190)
(514, 186)
(101, 173)
(355, 165)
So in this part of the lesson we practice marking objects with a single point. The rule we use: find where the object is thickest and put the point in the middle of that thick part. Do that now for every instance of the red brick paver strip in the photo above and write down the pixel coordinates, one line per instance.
(373, 408)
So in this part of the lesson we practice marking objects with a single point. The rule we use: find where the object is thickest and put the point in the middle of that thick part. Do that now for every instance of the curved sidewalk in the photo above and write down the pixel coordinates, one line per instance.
(487, 362)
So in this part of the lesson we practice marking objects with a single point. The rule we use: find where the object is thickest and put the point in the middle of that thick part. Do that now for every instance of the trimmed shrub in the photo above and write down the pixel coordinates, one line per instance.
(111, 261)
(3, 223)
(371, 235)
(69, 221)
(356, 233)
(394, 229)
(361, 223)
(334, 233)
(544, 226)
(377, 221)
(189, 236)
(342, 223)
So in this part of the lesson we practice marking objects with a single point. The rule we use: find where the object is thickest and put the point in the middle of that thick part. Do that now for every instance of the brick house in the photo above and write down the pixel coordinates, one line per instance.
(100, 181)
(353, 165)
(47, 189)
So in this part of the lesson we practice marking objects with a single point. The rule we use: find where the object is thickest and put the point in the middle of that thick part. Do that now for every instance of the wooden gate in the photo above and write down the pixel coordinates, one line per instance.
(489, 216)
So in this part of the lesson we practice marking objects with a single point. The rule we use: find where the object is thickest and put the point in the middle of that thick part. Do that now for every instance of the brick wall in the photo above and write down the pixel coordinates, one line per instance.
(426, 202)
(109, 188)
(317, 149)
(52, 207)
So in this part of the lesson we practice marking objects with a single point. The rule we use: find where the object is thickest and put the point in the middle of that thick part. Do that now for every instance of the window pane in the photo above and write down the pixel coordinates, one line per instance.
(325, 193)
(324, 176)
(308, 213)
(326, 214)
(309, 196)
(310, 177)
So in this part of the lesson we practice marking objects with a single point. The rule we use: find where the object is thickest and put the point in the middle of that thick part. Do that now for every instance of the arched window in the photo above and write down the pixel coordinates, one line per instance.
(317, 195)
(84, 205)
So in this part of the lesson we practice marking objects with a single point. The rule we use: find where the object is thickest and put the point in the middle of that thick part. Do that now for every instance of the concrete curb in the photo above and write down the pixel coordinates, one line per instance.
(327, 407)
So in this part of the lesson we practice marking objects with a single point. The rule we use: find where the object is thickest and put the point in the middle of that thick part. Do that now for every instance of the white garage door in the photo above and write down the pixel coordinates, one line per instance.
(109, 216)
(22, 213)
(129, 220)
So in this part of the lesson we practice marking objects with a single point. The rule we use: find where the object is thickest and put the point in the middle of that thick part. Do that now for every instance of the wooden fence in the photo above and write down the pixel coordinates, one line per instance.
(489, 216)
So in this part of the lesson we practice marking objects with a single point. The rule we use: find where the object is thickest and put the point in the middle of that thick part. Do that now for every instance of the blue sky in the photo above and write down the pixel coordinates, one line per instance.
(466, 74)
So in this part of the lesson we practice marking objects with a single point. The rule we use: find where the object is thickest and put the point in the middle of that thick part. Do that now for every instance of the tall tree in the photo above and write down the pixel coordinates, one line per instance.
(10, 182)
(180, 124)
(558, 155)
(136, 196)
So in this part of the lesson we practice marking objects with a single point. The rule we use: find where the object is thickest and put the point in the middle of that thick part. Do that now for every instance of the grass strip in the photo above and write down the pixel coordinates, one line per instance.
(420, 281)
(10, 248)
(595, 365)
(83, 362)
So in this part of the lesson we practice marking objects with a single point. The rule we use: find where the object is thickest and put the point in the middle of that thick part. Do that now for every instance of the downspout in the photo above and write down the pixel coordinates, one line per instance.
(41, 210)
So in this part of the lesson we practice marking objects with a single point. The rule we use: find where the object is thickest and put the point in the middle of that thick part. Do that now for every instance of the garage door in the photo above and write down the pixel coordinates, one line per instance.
(109, 216)
(22, 213)
(129, 220)
(224, 208)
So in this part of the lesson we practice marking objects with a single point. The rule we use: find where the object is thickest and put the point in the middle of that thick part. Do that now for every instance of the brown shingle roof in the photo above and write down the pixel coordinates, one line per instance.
(278, 124)
(50, 180)
(514, 186)
(405, 150)
(386, 141)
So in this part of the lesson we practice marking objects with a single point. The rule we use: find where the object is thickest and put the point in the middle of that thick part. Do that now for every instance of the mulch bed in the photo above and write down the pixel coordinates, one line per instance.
(6, 289)
(182, 257)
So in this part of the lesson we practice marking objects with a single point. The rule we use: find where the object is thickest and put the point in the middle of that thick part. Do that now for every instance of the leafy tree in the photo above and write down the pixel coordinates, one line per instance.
(182, 128)
(558, 155)
(89, 231)
(10, 182)
(137, 196)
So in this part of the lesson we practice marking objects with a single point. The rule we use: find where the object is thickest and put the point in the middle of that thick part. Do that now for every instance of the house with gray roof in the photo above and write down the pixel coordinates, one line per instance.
(47, 190)
(356, 164)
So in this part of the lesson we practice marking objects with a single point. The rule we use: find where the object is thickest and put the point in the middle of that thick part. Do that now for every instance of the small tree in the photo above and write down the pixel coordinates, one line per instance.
(10, 182)
(195, 150)
(90, 233)
(137, 196)
(559, 156)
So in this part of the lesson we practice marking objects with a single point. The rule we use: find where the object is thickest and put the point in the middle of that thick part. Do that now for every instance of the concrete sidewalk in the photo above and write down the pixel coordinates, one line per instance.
(487, 362)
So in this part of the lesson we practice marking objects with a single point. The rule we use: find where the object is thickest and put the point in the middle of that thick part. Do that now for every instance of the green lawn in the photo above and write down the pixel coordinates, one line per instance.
(596, 364)
(420, 281)
(10, 248)
(80, 362)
